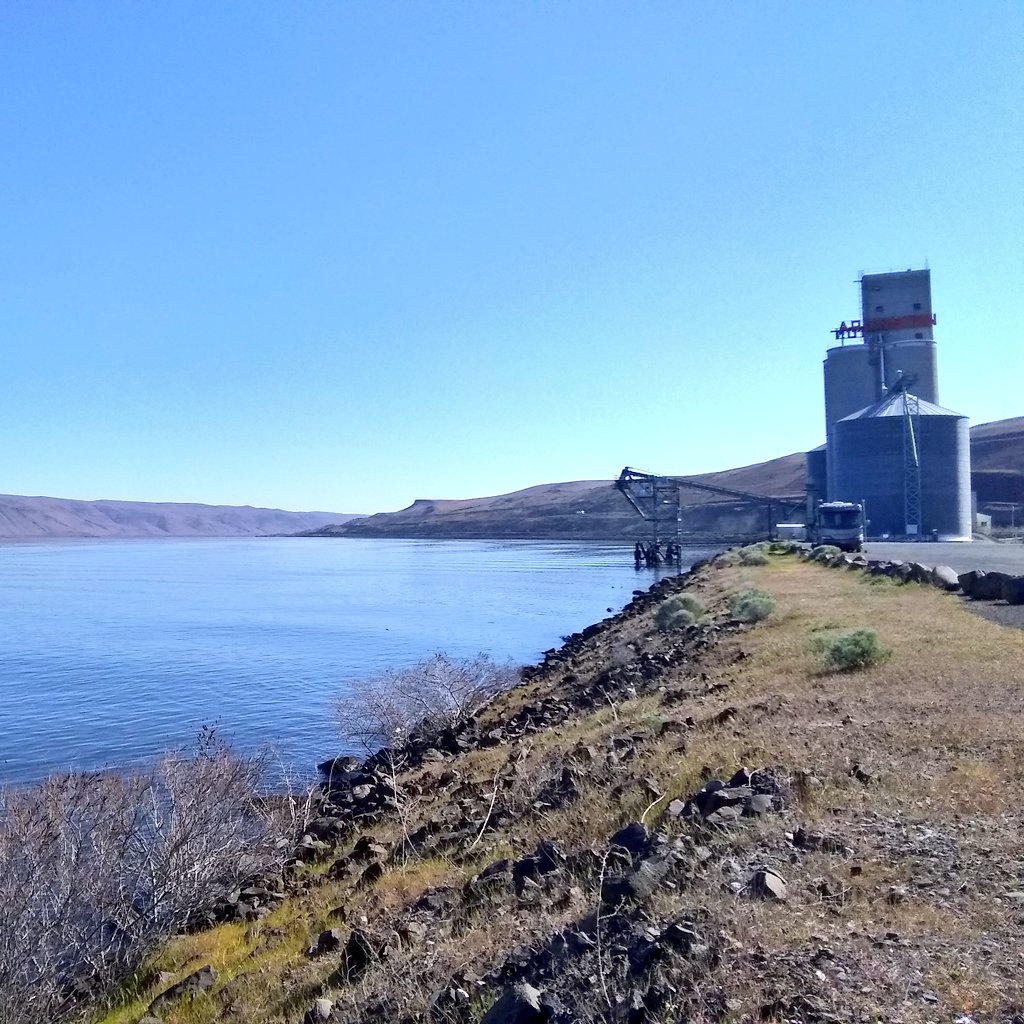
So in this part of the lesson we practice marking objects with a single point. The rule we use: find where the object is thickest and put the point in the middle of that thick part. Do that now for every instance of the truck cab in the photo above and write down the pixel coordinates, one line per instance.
(840, 523)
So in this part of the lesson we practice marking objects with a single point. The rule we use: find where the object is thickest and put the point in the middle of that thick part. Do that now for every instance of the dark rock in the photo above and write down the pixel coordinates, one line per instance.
(372, 873)
(635, 838)
(1013, 590)
(768, 884)
(759, 803)
(326, 942)
(518, 1005)
(969, 582)
(726, 815)
(547, 858)
(637, 886)
(196, 983)
(356, 957)
(804, 839)
(989, 587)
(412, 933)
(336, 766)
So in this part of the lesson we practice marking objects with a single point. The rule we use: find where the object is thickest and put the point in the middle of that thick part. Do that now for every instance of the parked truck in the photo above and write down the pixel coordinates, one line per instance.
(840, 523)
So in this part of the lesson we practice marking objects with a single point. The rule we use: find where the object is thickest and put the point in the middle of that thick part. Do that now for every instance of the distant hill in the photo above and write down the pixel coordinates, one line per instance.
(997, 467)
(583, 510)
(24, 517)
(595, 510)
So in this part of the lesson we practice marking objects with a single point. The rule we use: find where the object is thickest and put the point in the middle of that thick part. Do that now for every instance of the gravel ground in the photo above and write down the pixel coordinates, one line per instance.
(962, 558)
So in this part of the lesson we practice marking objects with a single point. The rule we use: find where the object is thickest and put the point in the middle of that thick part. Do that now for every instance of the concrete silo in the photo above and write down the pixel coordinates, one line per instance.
(892, 341)
(908, 460)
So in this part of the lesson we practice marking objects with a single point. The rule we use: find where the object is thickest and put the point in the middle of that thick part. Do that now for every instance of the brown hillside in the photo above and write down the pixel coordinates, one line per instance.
(28, 517)
(595, 510)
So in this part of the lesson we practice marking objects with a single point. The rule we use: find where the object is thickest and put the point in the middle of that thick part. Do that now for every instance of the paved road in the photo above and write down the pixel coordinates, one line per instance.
(960, 557)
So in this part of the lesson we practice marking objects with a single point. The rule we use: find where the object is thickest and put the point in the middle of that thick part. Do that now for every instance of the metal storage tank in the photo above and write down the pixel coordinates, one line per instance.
(852, 381)
(816, 472)
(869, 462)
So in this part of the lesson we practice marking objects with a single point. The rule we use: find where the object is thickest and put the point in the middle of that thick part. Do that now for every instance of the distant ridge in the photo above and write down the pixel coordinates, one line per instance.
(595, 510)
(28, 517)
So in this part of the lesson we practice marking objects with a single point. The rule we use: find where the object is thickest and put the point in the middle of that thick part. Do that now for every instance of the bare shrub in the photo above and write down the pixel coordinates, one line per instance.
(96, 868)
(385, 709)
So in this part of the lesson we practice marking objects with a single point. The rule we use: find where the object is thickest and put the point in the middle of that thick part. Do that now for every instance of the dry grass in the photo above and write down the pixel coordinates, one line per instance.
(920, 754)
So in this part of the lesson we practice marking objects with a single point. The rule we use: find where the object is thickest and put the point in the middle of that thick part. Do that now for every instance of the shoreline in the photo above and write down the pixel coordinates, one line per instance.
(707, 802)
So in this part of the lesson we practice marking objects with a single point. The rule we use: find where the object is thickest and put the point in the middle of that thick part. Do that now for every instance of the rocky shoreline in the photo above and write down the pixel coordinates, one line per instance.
(652, 827)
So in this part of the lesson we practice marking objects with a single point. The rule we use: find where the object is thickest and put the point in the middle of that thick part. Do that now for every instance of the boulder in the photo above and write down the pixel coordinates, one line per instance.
(1013, 589)
(945, 578)
(920, 573)
(990, 586)
(969, 582)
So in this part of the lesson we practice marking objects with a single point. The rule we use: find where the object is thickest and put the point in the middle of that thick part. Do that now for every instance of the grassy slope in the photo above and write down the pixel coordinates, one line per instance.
(915, 766)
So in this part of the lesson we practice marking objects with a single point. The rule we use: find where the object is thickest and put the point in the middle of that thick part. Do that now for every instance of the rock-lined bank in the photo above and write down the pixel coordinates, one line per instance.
(698, 825)
(997, 596)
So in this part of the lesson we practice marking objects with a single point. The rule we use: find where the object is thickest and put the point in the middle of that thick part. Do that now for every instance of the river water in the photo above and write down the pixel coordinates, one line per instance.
(114, 651)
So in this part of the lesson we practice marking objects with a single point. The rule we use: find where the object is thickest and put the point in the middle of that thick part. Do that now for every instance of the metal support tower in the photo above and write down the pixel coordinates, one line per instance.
(911, 463)
(656, 499)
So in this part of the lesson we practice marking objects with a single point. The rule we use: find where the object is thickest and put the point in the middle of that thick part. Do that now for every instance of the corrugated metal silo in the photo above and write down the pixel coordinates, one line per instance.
(869, 460)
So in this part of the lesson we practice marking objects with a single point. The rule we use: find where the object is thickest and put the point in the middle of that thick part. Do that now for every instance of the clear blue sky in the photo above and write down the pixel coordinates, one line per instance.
(344, 255)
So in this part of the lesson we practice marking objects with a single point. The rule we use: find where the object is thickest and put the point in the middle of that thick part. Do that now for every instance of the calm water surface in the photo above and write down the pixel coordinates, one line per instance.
(113, 651)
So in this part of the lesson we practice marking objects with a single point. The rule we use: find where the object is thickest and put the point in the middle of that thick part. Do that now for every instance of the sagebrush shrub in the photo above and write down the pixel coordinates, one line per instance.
(751, 605)
(859, 648)
(676, 612)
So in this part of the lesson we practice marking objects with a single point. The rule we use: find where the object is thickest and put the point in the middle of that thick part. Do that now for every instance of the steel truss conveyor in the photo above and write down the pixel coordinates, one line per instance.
(657, 499)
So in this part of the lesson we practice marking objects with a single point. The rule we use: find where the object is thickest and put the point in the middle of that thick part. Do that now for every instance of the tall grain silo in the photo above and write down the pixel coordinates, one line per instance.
(852, 381)
(892, 341)
(906, 459)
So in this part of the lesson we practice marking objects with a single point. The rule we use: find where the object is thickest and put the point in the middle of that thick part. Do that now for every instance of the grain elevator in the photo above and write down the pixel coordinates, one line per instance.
(888, 444)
